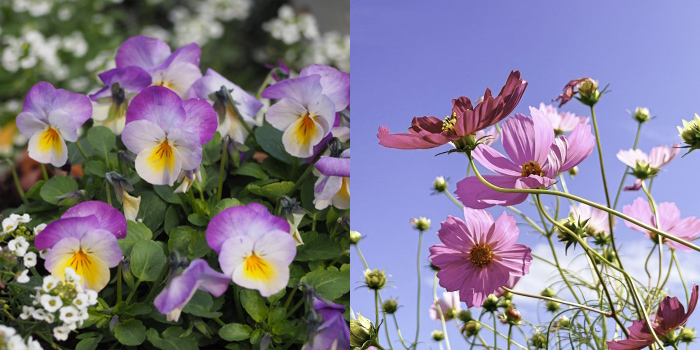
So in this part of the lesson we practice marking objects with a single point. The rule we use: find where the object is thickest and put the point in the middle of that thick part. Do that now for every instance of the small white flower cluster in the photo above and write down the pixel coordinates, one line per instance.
(18, 246)
(11, 340)
(290, 28)
(331, 49)
(36, 8)
(11, 223)
(66, 301)
(204, 21)
(31, 48)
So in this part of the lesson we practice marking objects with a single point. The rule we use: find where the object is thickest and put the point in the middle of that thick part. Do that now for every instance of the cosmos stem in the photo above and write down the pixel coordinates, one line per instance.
(624, 175)
(558, 301)
(442, 316)
(420, 246)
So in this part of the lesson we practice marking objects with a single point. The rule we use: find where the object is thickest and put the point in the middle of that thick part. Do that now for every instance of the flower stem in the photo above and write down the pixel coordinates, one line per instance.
(527, 218)
(453, 199)
(510, 334)
(119, 283)
(43, 172)
(15, 177)
(81, 149)
(442, 316)
(222, 169)
(495, 334)
(420, 246)
(159, 280)
(376, 310)
(624, 175)
(608, 314)
(109, 195)
(133, 291)
(680, 274)
(585, 201)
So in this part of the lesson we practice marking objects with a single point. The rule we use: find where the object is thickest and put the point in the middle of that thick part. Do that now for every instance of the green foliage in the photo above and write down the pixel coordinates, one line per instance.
(57, 187)
(147, 259)
(130, 332)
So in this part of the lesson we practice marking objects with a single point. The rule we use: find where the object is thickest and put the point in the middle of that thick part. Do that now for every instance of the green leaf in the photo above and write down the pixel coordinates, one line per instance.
(270, 139)
(56, 187)
(89, 343)
(252, 170)
(172, 340)
(167, 194)
(172, 219)
(147, 260)
(254, 304)
(33, 192)
(331, 283)
(276, 315)
(198, 219)
(95, 168)
(225, 204)
(130, 332)
(139, 309)
(273, 190)
(200, 305)
(135, 232)
(151, 210)
(318, 247)
(235, 332)
(101, 139)
(211, 151)
(198, 247)
(180, 238)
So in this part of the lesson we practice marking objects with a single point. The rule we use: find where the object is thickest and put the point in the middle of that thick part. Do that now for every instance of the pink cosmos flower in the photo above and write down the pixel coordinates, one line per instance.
(449, 301)
(597, 219)
(487, 136)
(669, 221)
(648, 164)
(561, 121)
(671, 316)
(479, 256)
(430, 132)
(536, 157)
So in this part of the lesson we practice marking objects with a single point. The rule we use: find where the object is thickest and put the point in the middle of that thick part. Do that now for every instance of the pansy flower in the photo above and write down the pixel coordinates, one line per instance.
(333, 333)
(255, 248)
(183, 285)
(167, 134)
(230, 120)
(430, 132)
(176, 71)
(478, 256)
(536, 157)
(333, 184)
(670, 221)
(561, 121)
(49, 118)
(112, 101)
(84, 239)
(670, 316)
(307, 106)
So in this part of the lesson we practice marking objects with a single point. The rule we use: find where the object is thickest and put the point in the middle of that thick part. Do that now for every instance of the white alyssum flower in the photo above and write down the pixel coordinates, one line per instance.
(40, 315)
(23, 277)
(81, 301)
(30, 259)
(92, 297)
(27, 312)
(71, 276)
(51, 303)
(69, 314)
(9, 224)
(49, 283)
(18, 245)
(61, 333)
(39, 228)
(42, 253)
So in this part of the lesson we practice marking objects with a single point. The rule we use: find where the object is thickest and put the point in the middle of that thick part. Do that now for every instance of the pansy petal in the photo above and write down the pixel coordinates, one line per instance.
(109, 217)
(62, 121)
(190, 54)
(253, 220)
(68, 227)
(141, 134)
(301, 136)
(177, 77)
(201, 119)
(212, 281)
(276, 245)
(159, 164)
(177, 293)
(142, 51)
(302, 89)
(158, 105)
(331, 166)
(285, 112)
(48, 147)
(28, 124)
(336, 84)
(39, 101)
(322, 109)
(103, 244)
(188, 147)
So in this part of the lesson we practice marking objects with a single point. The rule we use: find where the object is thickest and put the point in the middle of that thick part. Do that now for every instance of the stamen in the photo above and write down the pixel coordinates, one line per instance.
(481, 254)
(531, 168)
(449, 123)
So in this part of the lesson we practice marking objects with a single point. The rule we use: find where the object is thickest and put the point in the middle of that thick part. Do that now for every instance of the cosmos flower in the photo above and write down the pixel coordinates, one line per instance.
(111, 102)
(182, 286)
(49, 118)
(449, 304)
(561, 121)
(487, 136)
(569, 91)
(176, 71)
(645, 166)
(230, 122)
(255, 248)
(430, 132)
(536, 157)
(670, 316)
(167, 134)
(304, 112)
(597, 219)
(334, 332)
(84, 239)
(669, 221)
(333, 184)
(478, 256)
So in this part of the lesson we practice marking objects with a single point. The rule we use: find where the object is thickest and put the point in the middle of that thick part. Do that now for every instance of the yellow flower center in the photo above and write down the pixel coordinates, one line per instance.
(481, 254)
(306, 129)
(163, 155)
(449, 123)
(166, 84)
(531, 168)
(344, 189)
(257, 268)
(50, 139)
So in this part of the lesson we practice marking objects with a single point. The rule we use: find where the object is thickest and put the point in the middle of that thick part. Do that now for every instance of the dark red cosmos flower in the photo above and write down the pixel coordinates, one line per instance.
(670, 317)
(569, 91)
(430, 132)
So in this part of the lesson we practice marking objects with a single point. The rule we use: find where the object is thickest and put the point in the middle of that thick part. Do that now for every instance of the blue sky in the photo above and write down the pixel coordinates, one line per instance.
(411, 58)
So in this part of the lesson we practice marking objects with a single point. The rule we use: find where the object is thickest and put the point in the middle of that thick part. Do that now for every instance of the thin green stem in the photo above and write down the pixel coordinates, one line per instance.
(527, 218)
(585, 201)
(376, 310)
(222, 169)
(15, 177)
(109, 194)
(654, 210)
(398, 331)
(362, 257)
(420, 247)
(502, 336)
(442, 316)
(605, 313)
(81, 149)
(119, 283)
(510, 335)
(43, 172)
(680, 274)
(133, 291)
(495, 333)
(163, 272)
(453, 199)
(566, 189)
(306, 172)
(624, 175)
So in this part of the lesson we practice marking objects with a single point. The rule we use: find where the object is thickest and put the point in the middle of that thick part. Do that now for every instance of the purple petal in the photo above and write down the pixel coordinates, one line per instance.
(140, 134)
(188, 147)
(336, 84)
(534, 181)
(527, 139)
(28, 124)
(159, 105)
(669, 215)
(334, 329)
(638, 210)
(181, 287)
(131, 79)
(331, 166)
(109, 217)
(147, 53)
(495, 161)
(248, 105)
(474, 194)
(302, 89)
(580, 145)
(253, 220)
(504, 234)
(42, 99)
(62, 228)
(201, 119)
(186, 54)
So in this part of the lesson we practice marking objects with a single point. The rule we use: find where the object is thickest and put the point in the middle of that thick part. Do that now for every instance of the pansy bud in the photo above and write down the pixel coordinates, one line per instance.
(375, 279)
(355, 237)
(438, 335)
(390, 306)
(641, 115)
(421, 224)
(440, 185)
(120, 184)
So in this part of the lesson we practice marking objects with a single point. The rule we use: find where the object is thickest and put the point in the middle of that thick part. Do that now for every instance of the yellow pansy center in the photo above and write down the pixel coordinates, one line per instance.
(50, 140)
(257, 268)
(85, 264)
(165, 83)
(344, 189)
(481, 254)
(163, 155)
(306, 128)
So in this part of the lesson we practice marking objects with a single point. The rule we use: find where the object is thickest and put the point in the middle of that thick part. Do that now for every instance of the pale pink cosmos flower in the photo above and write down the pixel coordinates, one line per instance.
(597, 219)
(659, 156)
(671, 316)
(669, 221)
(449, 301)
(536, 157)
(487, 136)
(561, 121)
(478, 256)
